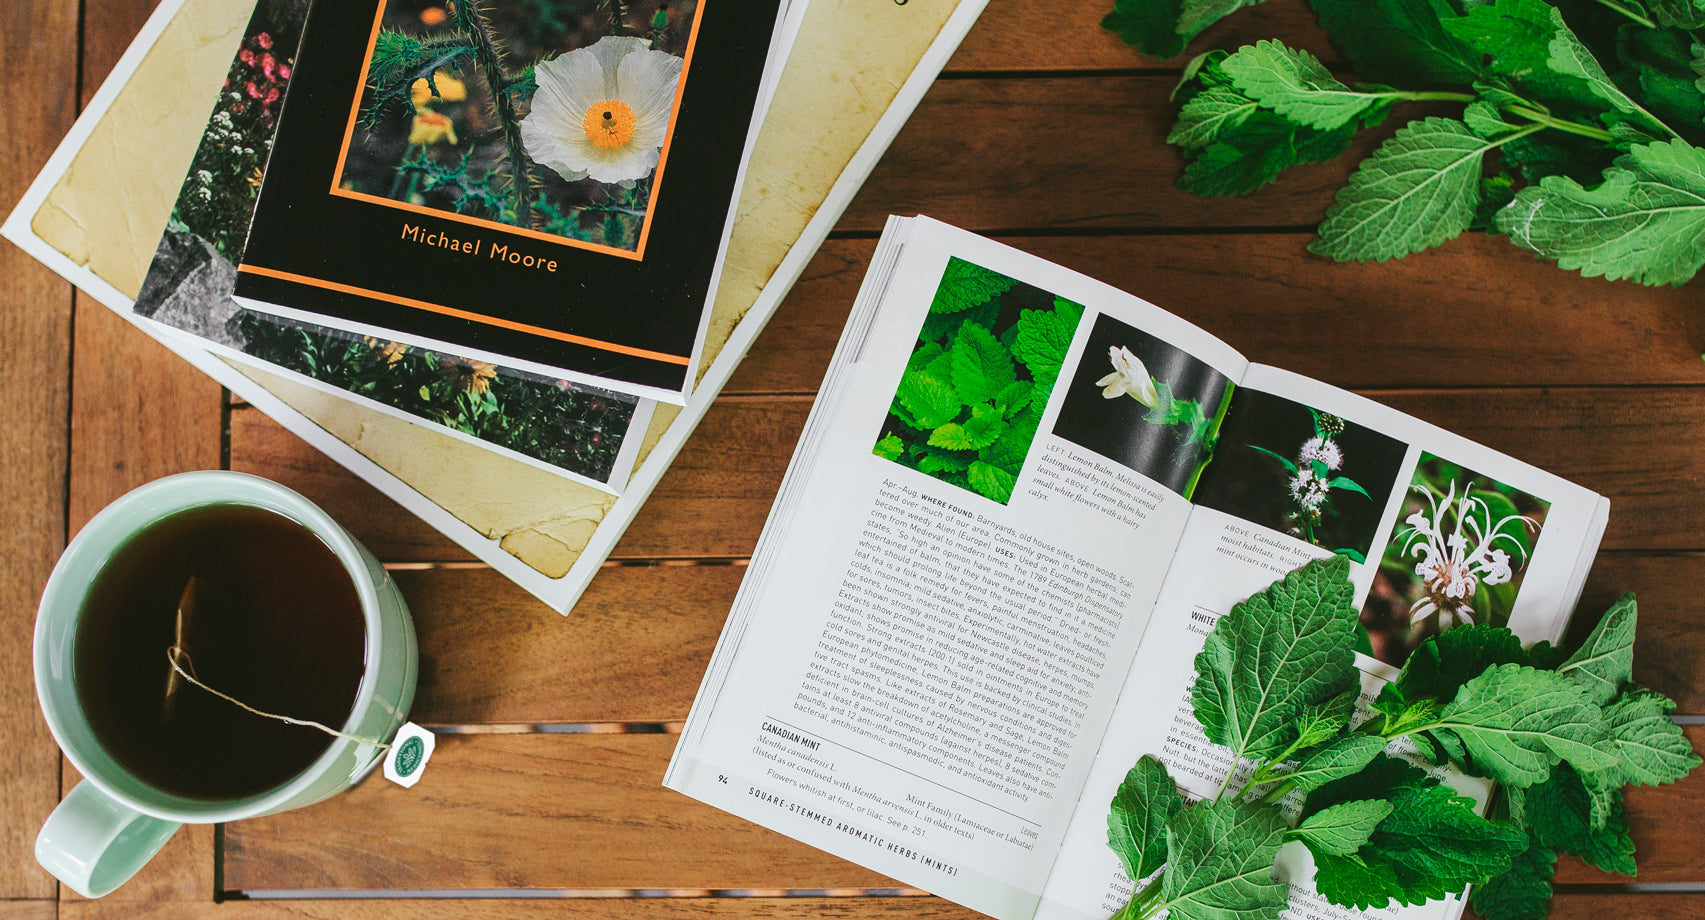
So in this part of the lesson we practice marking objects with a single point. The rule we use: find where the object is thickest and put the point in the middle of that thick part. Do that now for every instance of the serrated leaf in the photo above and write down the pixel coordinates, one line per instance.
(983, 428)
(1273, 655)
(1043, 338)
(1569, 56)
(937, 460)
(991, 481)
(1136, 823)
(1342, 829)
(930, 399)
(1683, 14)
(1652, 747)
(1242, 163)
(1343, 757)
(981, 365)
(1442, 664)
(1209, 115)
(1319, 722)
(1014, 397)
(1013, 446)
(1523, 892)
(1151, 25)
(1219, 864)
(1417, 190)
(889, 448)
(1516, 37)
(965, 285)
(1313, 146)
(1605, 661)
(1398, 41)
(1557, 813)
(923, 356)
(1487, 121)
(1517, 721)
(1196, 15)
(1295, 84)
(1646, 221)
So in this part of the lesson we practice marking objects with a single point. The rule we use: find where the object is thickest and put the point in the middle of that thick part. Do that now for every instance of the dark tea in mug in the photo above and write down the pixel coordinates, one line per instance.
(275, 622)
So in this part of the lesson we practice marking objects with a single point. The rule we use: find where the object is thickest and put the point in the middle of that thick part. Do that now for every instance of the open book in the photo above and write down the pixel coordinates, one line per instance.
(1020, 504)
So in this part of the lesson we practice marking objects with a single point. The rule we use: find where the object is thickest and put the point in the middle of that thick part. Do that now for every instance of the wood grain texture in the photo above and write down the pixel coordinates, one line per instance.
(29, 910)
(1021, 35)
(667, 908)
(37, 39)
(1404, 323)
(527, 811)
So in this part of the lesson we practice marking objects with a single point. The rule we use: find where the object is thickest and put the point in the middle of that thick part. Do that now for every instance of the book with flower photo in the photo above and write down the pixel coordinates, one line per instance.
(542, 185)
(1020, 506)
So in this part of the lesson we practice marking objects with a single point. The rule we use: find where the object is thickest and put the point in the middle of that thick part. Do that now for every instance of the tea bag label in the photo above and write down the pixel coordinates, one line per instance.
(410, 750)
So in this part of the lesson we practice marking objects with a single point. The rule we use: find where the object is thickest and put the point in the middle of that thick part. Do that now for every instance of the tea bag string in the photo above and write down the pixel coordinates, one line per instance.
(175, 653)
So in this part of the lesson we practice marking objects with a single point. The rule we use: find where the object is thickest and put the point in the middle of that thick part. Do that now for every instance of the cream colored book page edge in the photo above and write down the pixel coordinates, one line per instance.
(107, 211)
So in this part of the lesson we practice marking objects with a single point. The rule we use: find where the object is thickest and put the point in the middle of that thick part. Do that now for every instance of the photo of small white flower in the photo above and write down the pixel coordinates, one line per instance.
(550, 115)
(1457, 558)
(1316, 484)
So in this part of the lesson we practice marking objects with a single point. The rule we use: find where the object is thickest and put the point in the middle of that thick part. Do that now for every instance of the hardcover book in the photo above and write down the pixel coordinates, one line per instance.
(1019, 507)
(553, 194)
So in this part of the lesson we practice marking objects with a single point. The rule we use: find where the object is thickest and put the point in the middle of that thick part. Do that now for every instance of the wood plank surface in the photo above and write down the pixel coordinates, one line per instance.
(527, 811)
(38, 43)
(1664, 822)
(1415, 322)
(29, 910)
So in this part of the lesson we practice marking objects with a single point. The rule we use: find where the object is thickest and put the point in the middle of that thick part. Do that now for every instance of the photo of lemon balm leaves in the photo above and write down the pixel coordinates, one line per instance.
(550, 115)
(968, 406)
(1144, 404)
(1457, 558)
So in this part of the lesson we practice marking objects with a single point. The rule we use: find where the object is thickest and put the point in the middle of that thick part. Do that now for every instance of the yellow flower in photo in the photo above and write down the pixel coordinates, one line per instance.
(450, 89)
(387, 353)
(466, 374)
(432, 128)
(602, 112)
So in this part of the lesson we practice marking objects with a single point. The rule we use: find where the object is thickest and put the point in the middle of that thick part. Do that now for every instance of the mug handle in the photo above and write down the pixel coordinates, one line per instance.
(95, 843)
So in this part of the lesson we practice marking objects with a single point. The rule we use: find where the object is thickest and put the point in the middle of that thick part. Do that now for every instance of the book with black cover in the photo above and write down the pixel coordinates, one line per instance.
(556, 196)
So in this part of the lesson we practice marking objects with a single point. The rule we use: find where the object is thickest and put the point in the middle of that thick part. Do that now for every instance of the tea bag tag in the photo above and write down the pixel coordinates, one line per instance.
(407, 757)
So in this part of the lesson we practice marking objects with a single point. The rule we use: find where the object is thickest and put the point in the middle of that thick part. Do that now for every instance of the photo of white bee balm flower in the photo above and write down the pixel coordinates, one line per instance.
(1129, 378)
(602, 112)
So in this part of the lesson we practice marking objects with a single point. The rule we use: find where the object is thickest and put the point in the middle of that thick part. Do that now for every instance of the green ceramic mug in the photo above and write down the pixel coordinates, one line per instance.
(113, 822)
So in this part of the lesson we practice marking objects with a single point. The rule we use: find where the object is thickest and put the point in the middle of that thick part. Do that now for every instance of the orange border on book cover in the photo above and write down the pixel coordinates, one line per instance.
(465, 314)
(636, 254)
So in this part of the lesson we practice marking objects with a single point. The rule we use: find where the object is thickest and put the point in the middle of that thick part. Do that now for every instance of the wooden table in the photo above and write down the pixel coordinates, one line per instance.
(544, 797)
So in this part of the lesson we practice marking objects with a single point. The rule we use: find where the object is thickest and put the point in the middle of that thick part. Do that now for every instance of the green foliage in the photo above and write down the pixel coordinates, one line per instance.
(1586, 151)
(970, 400)
(1562, 733)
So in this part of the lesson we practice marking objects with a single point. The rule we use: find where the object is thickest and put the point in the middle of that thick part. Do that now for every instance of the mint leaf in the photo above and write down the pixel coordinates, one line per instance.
(1014, 397)
(930, 400)
(965, 285)
(1606, 660)
(1295, 84)
(1523, 892)
(936, 460)
(1653, 749)
(983, 428)
(981, 365)
(1136, 825)
(1417, 190)
(1243, 162)
(1343, 757)
(889, 448)
(1398, 41)
(1516, 36)
(1442, 664)
(1319, 722)
(1043, 338)
(1685, 14)
(1219, 864)
(1151, 25)
(1273, 655)
(991, 481)
(1558, 811)
(1197, 15)
(1342, 829)
(1516, 722)
(1646, 221)
(1570, 57)
(1209, 115)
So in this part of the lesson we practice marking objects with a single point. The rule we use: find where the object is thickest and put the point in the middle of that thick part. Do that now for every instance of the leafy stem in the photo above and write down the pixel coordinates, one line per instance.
(1629, 12)
(473, 21)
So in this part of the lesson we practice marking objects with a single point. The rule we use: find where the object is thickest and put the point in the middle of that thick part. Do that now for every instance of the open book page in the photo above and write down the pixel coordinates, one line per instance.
(1302, 470)
(939, 617)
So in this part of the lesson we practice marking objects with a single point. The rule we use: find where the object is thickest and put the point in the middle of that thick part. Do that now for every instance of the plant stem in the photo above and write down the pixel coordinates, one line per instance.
(1427, 96)
(1631, 14)
(1548, 121)
(1226, 783)
(473, 21)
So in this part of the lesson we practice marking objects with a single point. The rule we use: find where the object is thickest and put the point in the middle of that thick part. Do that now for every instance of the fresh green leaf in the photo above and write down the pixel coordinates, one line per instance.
(930, 399)
(1136, 825)
(1417, 190)
(1014, 397)
(1342, 829)
(1646, 221)
(1239, 164)
(1043, 338)
(1398, 41)
(1315, 146)
(1219, 864)
(1150, 25)
(1516, 36)
(1197, 15)
(1606, 660)
(1683, 14)
(1348, 485)
(991, 481)
(1569, 56)
(1523, 892)
(1517, 721)
(1321, 721)
(981, 365)
(983, 428)
(1283, 460)
(937, 460)
(1296, 85)
(965, 285)
(1487, 120)
(1210, 115)
(1442, 664)
(1273, 655)
(889, 448)
(1343, 757)
(1652, 747)
(1558, 816)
